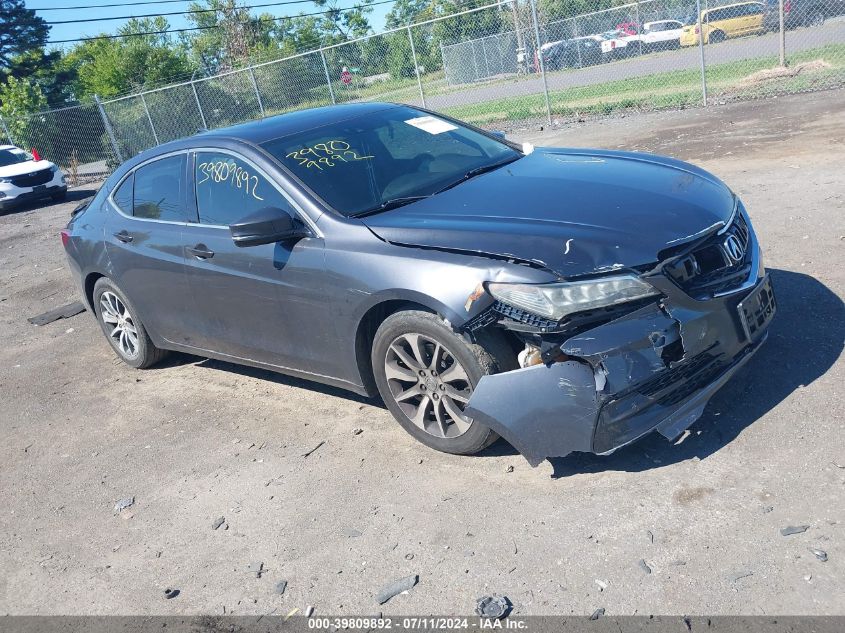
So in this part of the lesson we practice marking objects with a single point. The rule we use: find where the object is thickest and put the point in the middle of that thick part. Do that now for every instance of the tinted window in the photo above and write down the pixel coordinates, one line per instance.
(752, 9)
(160, 190)
(358, 164)
(229, 189)
(123, 195)
(12, 157)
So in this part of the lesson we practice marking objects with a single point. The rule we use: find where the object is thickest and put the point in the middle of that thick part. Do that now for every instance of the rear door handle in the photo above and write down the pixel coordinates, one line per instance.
(200, 251)
(124, 236)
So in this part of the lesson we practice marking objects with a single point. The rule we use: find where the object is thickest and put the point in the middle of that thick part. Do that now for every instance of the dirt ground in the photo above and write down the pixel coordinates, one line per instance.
(194, 440)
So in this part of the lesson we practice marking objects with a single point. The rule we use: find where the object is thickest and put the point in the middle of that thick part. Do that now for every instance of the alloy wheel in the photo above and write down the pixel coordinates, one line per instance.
(116, 316)
(428, 384)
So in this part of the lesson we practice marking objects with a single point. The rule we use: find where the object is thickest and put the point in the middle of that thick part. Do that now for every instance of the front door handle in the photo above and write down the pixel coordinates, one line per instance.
(124, 236)
(200, 251)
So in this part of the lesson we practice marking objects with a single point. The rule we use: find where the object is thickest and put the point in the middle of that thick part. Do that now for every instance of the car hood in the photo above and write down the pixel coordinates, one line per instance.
(574, 211)
(28, 167)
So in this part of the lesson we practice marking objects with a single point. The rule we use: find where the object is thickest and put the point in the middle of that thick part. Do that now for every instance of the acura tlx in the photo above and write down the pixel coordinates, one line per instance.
(563, 299)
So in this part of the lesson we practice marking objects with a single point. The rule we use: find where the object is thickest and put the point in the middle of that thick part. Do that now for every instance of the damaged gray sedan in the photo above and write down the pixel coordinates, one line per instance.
(564, 299)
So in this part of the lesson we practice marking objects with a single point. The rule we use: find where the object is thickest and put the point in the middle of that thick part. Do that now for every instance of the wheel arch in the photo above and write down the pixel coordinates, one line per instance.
(369, 323)
(88, 288)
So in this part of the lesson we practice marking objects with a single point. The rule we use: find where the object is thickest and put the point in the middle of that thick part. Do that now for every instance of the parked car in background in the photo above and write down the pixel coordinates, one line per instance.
(23, 178)
(619, 43)
(720, 23)
(565, 299)
(800, 13)
(572, 53)
(661, 35)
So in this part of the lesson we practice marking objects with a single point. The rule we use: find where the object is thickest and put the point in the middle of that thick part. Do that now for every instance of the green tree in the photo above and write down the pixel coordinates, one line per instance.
(230, 35)
(466, 27)
(347, 23)
(20, 100)
(406, 12)
(109, 67)
(21, 31)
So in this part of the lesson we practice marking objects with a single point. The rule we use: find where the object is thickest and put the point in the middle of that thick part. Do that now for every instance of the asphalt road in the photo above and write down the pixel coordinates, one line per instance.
(194, 440)
(831, 32)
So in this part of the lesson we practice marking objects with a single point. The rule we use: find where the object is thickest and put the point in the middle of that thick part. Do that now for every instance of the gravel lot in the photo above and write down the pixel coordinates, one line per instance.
(194, 440)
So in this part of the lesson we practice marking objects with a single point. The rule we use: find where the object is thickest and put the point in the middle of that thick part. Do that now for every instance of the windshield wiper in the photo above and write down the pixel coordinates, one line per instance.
(483, 169)
(387, 205)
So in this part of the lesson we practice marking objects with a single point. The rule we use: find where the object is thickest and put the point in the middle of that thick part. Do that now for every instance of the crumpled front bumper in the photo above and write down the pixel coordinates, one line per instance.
(653, 369)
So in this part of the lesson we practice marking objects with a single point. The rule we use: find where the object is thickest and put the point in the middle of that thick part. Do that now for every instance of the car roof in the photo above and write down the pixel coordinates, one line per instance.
(9, 147)
(263, 130)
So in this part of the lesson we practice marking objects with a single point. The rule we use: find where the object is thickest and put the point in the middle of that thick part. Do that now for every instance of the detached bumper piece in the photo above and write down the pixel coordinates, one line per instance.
(653, 369)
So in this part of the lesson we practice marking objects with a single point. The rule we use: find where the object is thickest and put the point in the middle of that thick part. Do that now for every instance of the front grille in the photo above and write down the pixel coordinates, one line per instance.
(34, 179)
(709, 269)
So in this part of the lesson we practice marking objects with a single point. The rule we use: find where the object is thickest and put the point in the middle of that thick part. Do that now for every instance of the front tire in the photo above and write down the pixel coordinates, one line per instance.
(426, 373)
(716, 37)
(123, 329)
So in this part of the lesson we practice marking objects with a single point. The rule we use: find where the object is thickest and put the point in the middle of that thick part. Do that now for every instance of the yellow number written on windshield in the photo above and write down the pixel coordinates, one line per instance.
(324, 155)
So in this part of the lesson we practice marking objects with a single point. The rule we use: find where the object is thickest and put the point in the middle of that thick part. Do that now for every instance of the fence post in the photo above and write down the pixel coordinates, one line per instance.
(257, 92)
(484, 54)
(149, 118)
(701, 53)
(416, 65)
(328, 79)
(445, 65)
(578, 42)
(109, 130)
(6, 130)
(639, 26)
(199, 105)
(474, 60)
(520, 43)
(540, 59)
(782, 36)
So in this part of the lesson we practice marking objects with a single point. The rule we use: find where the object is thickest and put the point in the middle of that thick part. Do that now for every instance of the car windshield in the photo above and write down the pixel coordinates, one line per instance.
(387, 158)
(12, 157)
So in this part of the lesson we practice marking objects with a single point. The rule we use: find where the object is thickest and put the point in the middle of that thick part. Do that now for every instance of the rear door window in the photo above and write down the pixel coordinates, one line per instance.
(123, 195)
(229, 189)
(159, 192)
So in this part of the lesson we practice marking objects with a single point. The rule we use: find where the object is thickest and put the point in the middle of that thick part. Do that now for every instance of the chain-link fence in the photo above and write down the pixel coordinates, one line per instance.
(501, 65)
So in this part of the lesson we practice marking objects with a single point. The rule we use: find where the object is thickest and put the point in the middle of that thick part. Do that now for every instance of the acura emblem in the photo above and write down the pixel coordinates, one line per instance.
(733, 249)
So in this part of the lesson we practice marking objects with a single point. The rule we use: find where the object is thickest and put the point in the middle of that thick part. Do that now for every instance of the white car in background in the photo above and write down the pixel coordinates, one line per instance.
(24, 178)
(661, 34)
(618, 43)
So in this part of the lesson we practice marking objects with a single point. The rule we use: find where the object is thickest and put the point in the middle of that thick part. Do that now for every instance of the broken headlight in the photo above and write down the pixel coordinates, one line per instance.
(558, 300)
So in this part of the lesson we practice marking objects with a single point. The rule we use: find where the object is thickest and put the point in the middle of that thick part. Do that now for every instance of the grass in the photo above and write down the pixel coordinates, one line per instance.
(669, 89)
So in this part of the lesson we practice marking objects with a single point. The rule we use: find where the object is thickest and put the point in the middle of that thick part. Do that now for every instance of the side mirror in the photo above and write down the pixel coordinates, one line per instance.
(499, 134)
(267, 226)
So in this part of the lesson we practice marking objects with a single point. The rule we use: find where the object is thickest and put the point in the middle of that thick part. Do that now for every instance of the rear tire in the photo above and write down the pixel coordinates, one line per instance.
(123, 329)
(426, 373)
(716, 37)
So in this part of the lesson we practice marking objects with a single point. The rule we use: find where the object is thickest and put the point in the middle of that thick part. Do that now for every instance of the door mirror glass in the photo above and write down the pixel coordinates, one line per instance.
(267, 226)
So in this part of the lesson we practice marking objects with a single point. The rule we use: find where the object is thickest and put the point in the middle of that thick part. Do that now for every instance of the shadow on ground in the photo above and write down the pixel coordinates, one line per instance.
(805, 340)
(73, 195)
(271, 376)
